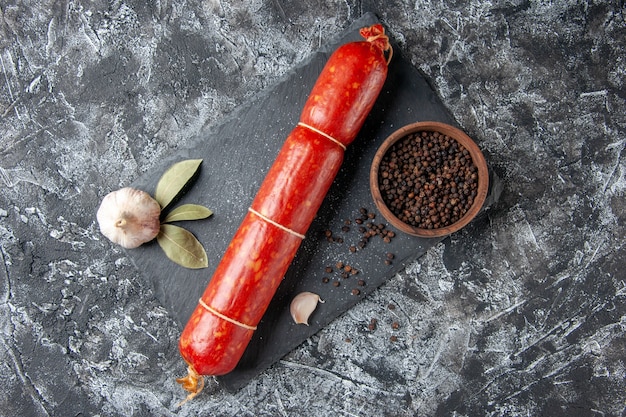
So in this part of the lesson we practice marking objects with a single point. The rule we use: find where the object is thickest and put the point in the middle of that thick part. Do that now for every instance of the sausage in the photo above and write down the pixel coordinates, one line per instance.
(257, 258)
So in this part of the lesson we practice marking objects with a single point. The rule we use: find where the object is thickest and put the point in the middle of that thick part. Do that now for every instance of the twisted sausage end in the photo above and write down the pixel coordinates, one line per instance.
(375, 34)
(193, 383)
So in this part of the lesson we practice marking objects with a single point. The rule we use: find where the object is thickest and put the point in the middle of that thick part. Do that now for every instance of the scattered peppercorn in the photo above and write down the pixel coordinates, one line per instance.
(389, 257)
(372, 325)
(394, 338)
(368, 229)
(395, 325)
(391, 306)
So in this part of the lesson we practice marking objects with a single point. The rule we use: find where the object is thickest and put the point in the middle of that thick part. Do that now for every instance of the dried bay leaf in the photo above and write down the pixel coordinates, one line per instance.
(182, 247)
(188, 212)
(174, 180)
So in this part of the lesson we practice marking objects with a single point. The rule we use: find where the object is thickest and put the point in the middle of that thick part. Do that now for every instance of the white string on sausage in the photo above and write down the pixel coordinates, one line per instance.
(280, 226)
(326, 135)
(223, 317)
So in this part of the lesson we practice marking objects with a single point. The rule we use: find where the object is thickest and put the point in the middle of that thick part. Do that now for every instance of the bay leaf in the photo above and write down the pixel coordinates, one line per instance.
(188, 212)
(182, 247)
(174, 180)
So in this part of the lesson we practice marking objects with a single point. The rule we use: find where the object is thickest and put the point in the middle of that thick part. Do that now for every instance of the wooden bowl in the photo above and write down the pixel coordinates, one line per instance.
(477, 158)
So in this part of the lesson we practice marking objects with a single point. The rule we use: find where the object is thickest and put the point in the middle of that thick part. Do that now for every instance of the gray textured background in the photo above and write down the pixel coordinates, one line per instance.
(523, 313)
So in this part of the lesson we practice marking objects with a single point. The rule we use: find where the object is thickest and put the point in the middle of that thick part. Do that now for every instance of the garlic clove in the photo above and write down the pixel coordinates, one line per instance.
(303, 305)
(129, 217)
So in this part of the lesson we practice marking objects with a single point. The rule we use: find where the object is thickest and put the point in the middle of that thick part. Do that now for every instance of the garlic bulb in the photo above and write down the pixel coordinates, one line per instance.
(303, 305)
(129, 217)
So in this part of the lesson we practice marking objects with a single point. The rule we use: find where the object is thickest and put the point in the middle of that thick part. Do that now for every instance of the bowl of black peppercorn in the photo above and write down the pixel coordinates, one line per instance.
(429, 179)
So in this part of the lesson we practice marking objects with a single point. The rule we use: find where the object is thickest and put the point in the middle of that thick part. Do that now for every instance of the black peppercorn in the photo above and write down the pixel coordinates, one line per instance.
(372, 325)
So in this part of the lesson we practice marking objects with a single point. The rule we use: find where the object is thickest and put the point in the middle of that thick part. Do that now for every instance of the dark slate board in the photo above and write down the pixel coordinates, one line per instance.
(237, 154)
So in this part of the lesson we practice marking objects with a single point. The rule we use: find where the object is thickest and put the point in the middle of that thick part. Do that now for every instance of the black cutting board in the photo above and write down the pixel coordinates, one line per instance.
(237, 154)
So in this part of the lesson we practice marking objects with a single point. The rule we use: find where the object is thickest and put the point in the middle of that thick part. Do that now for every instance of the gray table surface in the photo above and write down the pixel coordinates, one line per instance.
(522, 313)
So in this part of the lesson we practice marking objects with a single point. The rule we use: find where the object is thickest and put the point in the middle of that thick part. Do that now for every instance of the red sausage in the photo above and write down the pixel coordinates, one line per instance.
(266, 242)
